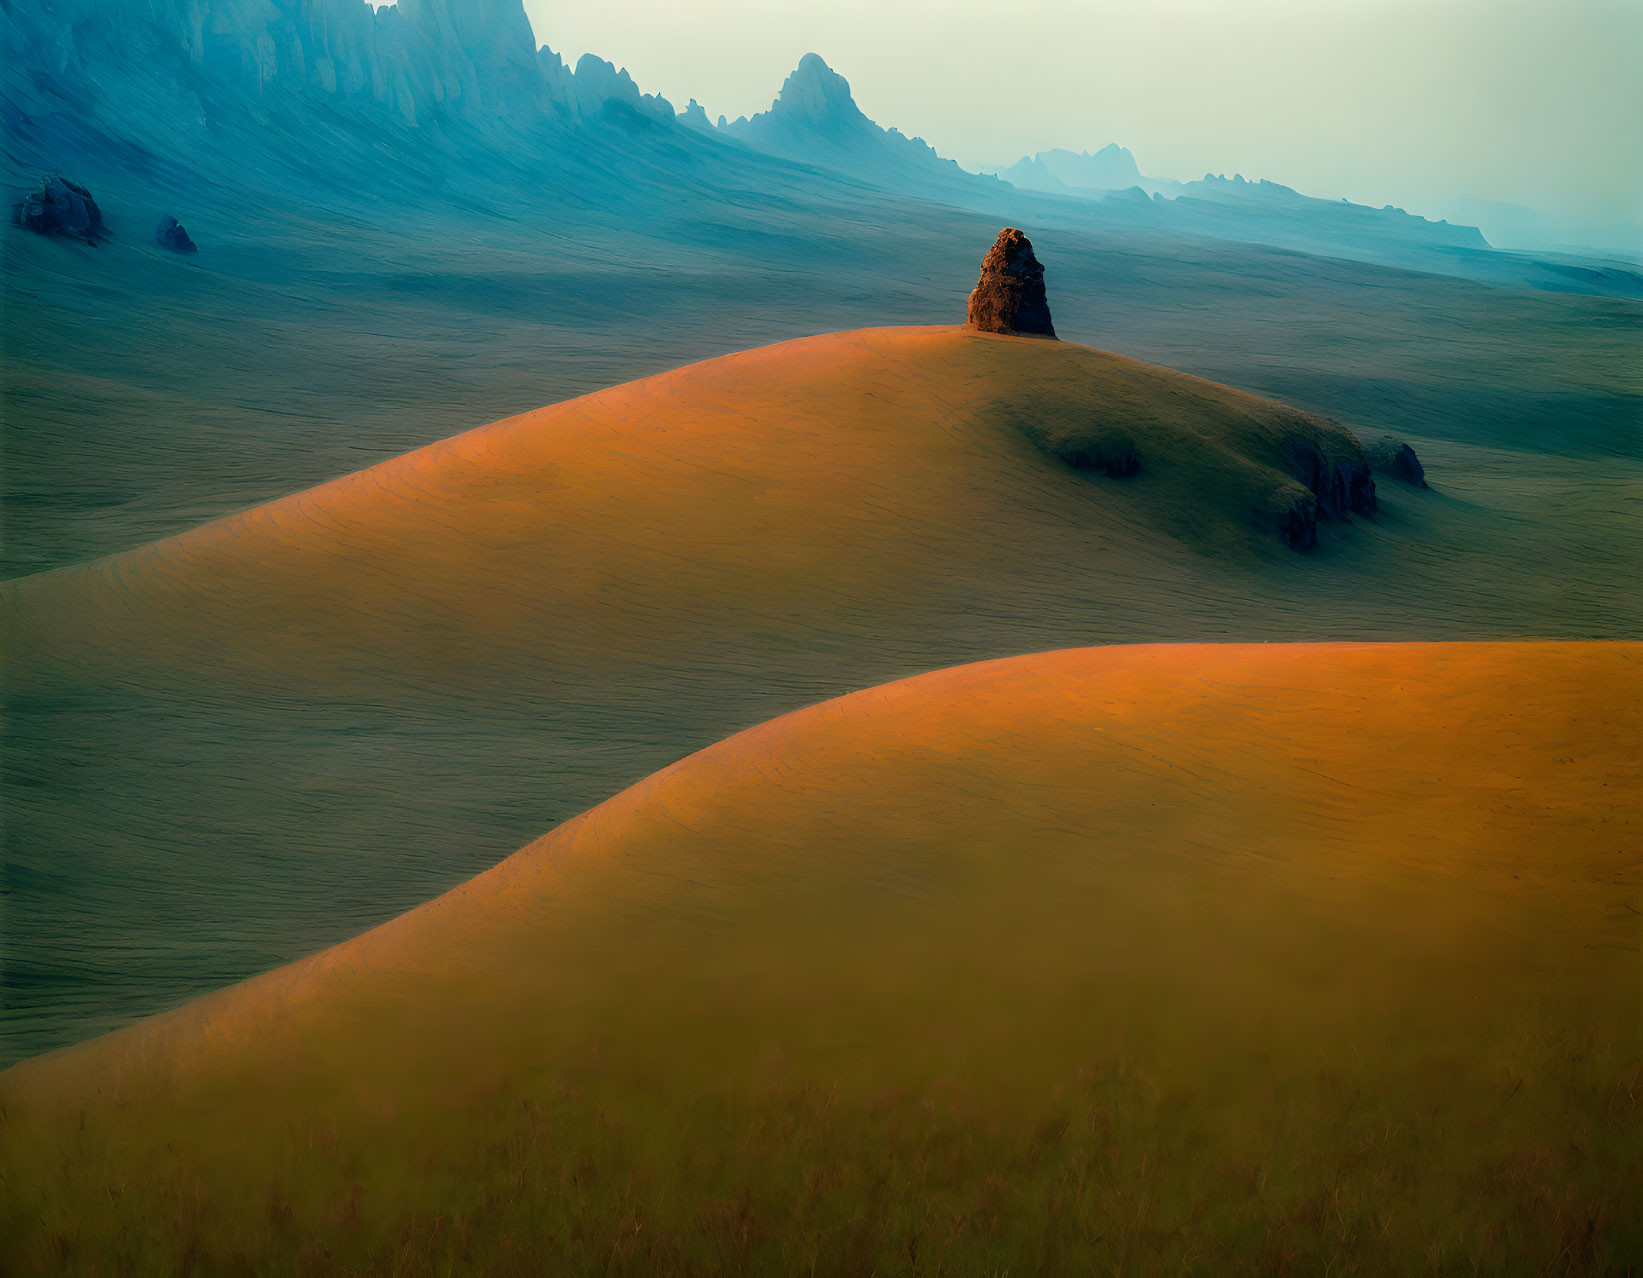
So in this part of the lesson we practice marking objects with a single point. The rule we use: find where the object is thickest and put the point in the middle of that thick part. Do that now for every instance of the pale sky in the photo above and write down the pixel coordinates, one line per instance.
(1419, 103)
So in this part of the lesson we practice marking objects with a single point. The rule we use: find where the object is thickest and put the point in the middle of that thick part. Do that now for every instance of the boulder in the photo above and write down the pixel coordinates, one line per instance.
(1009, 297)
(172, 235)
(60, 207)
(1395, 458)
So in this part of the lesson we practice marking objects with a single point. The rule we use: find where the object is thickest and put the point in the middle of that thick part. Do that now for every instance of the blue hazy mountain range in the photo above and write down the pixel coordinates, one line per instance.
(815, 120)
(1060, 172)
(238, 92)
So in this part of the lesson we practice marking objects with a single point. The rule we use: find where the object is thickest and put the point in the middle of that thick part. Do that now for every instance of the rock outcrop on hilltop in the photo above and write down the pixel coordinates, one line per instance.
(60, 207)
(172, 235)
(1009, 297)
(1393, 457)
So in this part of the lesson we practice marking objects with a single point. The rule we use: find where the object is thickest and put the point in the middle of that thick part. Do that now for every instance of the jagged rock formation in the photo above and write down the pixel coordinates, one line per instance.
(815, 120)
(60, 207)
(1338, 476)
(816, 94)
(1337, 484)
(1395, 458)
(1296, 522)
(474, 60)
(694, 116)
(171, 234)
(1009, 297)
(599, 88)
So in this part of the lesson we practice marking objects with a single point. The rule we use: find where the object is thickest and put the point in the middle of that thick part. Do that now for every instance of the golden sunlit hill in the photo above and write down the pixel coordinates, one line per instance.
(832, 490)
(1214, 958)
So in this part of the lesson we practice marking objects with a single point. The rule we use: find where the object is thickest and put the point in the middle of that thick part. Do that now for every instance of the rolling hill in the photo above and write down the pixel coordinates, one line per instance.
(1245, 955)
(422, 664)
(854, 482)
(775, 484)
(1243, 952)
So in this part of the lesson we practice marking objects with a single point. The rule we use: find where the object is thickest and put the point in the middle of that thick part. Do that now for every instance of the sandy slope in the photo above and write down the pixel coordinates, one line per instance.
(240, 744)
(758, 489)
(1343, 937)
(857, 482)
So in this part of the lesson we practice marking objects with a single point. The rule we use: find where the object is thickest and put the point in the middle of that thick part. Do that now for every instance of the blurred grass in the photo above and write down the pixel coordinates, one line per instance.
(1516, 1156)
(1107, 1176)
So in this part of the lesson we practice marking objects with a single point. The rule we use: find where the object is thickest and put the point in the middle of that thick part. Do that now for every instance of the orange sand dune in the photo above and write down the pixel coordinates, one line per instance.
(830, 491)
(1358, 921)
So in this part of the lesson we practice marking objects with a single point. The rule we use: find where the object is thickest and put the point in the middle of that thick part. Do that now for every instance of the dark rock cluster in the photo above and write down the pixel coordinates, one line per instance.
(1395, 458)
(1009, 297)
(172, 235)
(1338, 485)
(60, 207)
(1297, 523)
(1341, 481)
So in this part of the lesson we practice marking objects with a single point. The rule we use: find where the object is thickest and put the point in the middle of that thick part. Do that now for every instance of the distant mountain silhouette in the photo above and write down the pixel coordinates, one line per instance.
(1233, 207)
(1216, 198)
(168, 74)
(1112, 168)
(815, 120)
(292, 104)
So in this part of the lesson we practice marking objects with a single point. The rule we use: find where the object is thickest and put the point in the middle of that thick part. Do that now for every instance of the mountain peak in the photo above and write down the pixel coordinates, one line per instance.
(816, 93)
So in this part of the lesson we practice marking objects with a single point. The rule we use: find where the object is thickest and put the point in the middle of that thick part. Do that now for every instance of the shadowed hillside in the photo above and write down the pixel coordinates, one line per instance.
(1229, 954)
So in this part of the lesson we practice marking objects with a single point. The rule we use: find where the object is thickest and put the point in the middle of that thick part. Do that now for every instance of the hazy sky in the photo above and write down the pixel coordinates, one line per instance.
(1420, 103)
